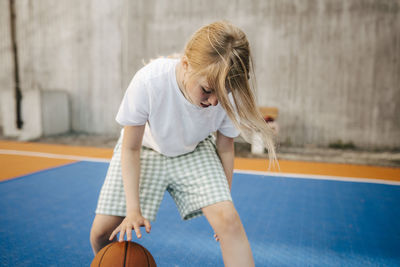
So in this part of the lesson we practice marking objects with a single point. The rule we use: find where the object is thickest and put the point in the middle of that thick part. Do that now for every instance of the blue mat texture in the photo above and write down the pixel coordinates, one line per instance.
(45, 220)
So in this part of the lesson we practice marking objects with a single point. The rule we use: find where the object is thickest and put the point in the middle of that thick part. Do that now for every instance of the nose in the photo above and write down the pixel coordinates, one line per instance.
(213, 100)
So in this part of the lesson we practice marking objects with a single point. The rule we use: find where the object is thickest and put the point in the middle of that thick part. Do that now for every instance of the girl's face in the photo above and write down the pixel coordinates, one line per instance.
(196, 90)
(200, 94)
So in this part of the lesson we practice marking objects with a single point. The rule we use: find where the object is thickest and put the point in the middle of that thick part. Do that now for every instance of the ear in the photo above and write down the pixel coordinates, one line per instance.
(185, 62)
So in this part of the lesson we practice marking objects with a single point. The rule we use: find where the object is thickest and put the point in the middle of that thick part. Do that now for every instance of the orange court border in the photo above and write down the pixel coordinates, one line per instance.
(22, 158)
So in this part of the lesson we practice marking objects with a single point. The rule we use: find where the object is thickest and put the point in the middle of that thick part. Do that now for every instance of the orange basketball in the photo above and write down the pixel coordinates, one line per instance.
(123, 254)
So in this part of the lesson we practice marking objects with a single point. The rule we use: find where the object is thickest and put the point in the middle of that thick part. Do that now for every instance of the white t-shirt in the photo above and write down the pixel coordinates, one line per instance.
(174, 126)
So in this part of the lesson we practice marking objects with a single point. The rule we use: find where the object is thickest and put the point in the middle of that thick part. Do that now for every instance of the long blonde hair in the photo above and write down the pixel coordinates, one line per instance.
(220, 51)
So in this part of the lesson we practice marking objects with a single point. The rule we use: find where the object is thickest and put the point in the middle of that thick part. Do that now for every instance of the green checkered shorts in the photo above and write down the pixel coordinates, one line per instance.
(194, 180)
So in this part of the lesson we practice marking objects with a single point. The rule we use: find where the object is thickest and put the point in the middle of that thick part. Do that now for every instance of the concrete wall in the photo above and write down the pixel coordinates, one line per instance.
(6, 66)
(332, 67)
(73, 46)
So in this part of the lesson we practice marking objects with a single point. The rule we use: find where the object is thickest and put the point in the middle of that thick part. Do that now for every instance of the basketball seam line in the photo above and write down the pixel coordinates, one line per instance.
(103, 255)
(148, 261)
(126, 251)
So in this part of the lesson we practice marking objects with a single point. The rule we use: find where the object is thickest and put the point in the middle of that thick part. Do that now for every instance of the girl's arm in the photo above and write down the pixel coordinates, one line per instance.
(226, 152)
(130, 161)
(130, 164)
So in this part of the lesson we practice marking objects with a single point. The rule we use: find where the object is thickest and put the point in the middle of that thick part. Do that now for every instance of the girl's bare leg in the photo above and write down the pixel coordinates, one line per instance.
(226, 223)
(103, 226)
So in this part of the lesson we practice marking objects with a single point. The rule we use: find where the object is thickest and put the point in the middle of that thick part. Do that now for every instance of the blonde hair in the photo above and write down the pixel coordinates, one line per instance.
(220, 52)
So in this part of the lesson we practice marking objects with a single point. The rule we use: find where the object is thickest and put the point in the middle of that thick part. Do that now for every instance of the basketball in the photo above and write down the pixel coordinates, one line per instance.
(123, 254)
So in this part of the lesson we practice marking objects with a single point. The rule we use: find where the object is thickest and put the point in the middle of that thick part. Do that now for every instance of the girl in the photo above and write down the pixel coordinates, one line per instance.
(168, 112)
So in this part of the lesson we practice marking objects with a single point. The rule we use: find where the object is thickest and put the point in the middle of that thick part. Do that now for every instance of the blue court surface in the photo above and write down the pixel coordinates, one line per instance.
(46, 219)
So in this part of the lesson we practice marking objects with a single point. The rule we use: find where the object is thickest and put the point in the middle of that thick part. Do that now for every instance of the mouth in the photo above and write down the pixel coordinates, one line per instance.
(204, 105)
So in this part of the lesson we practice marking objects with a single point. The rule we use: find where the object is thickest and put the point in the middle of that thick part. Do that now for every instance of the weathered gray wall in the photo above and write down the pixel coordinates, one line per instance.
(75, 46)
(6, 78)
(331, 67)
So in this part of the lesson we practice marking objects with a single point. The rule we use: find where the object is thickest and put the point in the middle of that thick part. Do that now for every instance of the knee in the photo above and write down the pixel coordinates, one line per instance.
(103, 226)
(230, 220)
(98, 234)
(226, 219)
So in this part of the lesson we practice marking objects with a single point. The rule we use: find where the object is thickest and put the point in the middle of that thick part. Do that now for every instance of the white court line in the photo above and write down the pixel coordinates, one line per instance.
(274, 174)
(51, 156)
(320, 177)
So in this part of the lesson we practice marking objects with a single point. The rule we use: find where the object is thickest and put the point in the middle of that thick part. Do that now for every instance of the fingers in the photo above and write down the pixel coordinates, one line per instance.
(121, 234)
(147, 225)
(137, 230)
(121, 229)
(114, 233)
(126, 228)
(129, 233)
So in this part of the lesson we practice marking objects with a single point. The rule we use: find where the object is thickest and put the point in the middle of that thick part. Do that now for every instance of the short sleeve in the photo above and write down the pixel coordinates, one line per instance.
(227, 128)
(135, 106)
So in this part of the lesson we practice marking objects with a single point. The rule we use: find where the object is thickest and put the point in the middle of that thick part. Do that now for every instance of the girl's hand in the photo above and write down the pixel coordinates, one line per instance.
(132, 221)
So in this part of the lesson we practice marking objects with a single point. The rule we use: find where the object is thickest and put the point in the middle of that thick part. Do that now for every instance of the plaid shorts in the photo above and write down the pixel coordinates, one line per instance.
(194, 180)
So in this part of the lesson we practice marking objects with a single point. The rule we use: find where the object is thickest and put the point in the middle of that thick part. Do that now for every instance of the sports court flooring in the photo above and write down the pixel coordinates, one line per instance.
(308, 214)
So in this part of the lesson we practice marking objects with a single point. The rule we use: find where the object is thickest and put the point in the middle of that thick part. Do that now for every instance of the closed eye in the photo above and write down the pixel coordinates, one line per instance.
(205, 91)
